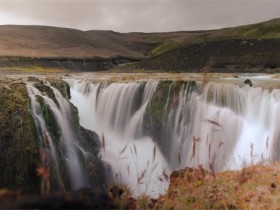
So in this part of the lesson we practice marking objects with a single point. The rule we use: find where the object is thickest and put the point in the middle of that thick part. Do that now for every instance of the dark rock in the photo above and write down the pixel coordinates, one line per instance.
(94, 166)
(273, 185)
(248, 82)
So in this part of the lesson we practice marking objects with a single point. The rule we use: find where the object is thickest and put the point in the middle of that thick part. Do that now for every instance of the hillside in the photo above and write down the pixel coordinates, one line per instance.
(252, 47)
(52, 47)
(52, 42)
(232, 55)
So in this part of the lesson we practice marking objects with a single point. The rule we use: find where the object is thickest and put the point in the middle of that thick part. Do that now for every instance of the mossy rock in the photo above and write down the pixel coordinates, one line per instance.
(91, 165)
(49, 118)
(62, 86)
(165, 98)
(19, 152)
(95, 170)
(46, 90)
(62, 181)
(21, 142)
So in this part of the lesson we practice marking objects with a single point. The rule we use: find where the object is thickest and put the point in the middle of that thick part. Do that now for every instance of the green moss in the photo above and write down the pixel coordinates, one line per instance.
(50, 119)
(46, 90)
(165, 98)
(75, 119)
(63, 87)
(19, 152)
(155, 114)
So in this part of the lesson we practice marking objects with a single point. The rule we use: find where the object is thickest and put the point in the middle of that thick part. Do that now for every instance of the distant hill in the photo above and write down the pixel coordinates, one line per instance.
(53, 47)
(251, 48)
(230, 55)
(52, 42)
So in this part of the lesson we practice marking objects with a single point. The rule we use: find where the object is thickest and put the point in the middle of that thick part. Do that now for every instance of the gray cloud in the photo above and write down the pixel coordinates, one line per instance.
(138, 15)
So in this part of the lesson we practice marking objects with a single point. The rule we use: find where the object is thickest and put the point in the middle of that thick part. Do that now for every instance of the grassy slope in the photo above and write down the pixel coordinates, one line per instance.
(252, 48)
(43, 41)
(265, 30)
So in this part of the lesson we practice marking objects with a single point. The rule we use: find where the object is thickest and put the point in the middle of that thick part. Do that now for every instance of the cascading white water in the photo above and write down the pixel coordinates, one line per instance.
(45, 137)
(62, 113)
(115, 111)
(220, 126)
(224, 127)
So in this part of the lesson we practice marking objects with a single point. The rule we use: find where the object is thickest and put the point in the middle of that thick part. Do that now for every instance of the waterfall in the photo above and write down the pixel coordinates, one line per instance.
(115, 111)
(44, 135)
(223, 127)
(148, 129)
(68, 146)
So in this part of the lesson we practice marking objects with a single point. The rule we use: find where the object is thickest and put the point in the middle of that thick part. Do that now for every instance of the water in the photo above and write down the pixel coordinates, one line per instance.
(115, 111)
(68, 140)
(225, 127)
(45, 139)
(219, 126)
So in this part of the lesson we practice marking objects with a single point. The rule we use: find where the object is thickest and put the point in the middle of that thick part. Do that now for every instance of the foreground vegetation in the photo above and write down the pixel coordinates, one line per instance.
(254, 187)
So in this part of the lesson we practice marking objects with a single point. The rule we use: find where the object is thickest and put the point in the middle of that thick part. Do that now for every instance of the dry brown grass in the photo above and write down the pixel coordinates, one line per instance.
(254, 187)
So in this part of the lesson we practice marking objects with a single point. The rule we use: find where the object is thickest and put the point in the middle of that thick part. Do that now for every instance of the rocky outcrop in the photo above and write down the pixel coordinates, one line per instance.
(24, 148)
(94, 167)
(19, 151)
(165, 99)
(87, 141)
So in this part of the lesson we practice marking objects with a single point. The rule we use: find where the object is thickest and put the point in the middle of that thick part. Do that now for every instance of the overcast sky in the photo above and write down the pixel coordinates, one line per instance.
(138, 15)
